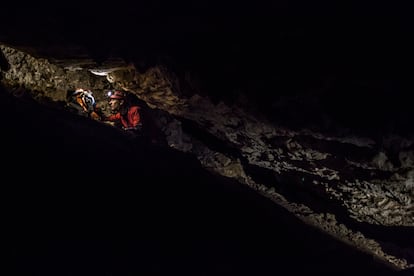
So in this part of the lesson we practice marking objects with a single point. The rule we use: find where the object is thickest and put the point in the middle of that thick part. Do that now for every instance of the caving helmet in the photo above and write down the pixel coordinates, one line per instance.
(116, 95)
(85, 99)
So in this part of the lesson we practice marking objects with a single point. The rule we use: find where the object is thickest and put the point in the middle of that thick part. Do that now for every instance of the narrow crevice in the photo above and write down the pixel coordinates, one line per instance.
(296, 187)
(211, 141)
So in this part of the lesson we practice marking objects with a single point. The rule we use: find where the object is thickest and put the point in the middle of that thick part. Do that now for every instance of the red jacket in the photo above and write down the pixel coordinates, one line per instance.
(131, 120)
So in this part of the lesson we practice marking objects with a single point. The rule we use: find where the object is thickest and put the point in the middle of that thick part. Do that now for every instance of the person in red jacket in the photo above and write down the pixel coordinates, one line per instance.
(124, 113)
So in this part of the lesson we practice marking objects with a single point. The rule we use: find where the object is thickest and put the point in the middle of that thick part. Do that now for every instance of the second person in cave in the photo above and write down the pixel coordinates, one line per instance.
(125, 113)
(133, 115)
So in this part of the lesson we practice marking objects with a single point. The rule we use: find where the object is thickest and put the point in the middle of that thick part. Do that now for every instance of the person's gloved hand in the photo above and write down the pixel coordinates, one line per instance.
(95, 116)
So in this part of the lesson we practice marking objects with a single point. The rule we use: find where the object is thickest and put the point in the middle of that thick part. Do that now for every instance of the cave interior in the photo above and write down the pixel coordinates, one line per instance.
(287, 140)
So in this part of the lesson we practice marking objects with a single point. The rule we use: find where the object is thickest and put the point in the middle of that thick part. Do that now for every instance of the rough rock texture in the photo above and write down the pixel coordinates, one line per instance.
(322, 155)
(70, 210)
(333, 182)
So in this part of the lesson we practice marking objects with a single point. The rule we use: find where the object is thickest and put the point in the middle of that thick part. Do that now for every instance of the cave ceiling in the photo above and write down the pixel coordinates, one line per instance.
(311, 113)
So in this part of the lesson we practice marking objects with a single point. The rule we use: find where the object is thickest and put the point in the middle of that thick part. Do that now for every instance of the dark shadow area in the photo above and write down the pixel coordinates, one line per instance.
(212, 142)
(4, 64)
